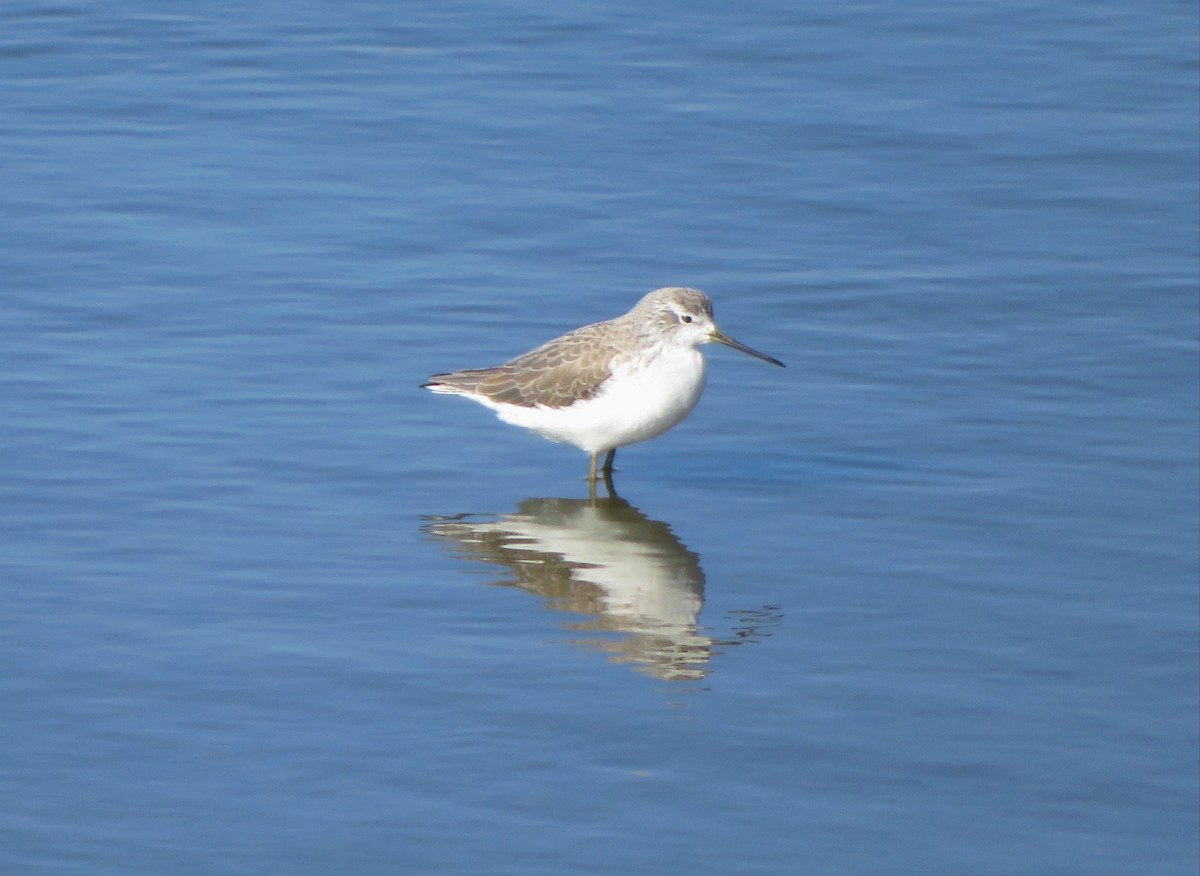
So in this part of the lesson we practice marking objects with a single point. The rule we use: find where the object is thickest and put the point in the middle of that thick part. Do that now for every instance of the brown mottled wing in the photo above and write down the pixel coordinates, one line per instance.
(555, 374)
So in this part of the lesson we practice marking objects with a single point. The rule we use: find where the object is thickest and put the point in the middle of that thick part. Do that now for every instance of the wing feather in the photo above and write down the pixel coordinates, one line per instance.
(556, 374)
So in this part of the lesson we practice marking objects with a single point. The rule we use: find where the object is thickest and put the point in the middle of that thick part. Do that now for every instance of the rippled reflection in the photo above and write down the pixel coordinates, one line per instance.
(602, 558)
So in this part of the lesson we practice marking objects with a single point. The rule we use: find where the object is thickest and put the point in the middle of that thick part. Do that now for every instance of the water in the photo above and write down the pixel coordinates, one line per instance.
(925, 602)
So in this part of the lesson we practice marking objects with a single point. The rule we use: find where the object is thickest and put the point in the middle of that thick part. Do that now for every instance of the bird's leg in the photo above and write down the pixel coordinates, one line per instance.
(608, 484)
(608, 461)
(605, 472)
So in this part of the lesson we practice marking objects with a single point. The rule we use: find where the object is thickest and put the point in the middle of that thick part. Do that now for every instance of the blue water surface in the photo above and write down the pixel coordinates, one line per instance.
(927, 601)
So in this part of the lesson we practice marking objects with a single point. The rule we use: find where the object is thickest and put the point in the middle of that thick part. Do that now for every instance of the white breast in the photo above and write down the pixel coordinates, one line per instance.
(635, 404)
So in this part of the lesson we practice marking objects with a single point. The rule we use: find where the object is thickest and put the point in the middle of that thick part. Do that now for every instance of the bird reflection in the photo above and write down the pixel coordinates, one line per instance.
(626, 574)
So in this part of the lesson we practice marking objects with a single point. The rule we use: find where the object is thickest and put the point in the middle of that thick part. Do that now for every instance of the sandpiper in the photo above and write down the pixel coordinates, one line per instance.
(608, 384)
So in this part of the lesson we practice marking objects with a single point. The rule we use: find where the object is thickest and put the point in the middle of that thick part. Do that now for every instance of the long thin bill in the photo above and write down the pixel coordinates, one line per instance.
(730, 342)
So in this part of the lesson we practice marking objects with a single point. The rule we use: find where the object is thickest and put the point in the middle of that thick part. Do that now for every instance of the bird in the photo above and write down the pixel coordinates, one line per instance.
(609, 384)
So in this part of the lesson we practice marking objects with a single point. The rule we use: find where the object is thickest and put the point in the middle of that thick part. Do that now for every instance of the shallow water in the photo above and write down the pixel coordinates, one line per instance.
(924, 602)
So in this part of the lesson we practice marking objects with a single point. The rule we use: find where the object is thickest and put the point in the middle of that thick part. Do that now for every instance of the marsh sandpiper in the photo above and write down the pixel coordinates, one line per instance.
(608, 384)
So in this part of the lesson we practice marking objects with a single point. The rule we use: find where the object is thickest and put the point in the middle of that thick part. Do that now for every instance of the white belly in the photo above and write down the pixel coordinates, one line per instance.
(635, 404)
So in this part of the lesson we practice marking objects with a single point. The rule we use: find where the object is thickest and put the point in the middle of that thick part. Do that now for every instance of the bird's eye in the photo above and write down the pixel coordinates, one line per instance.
(686, 318)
